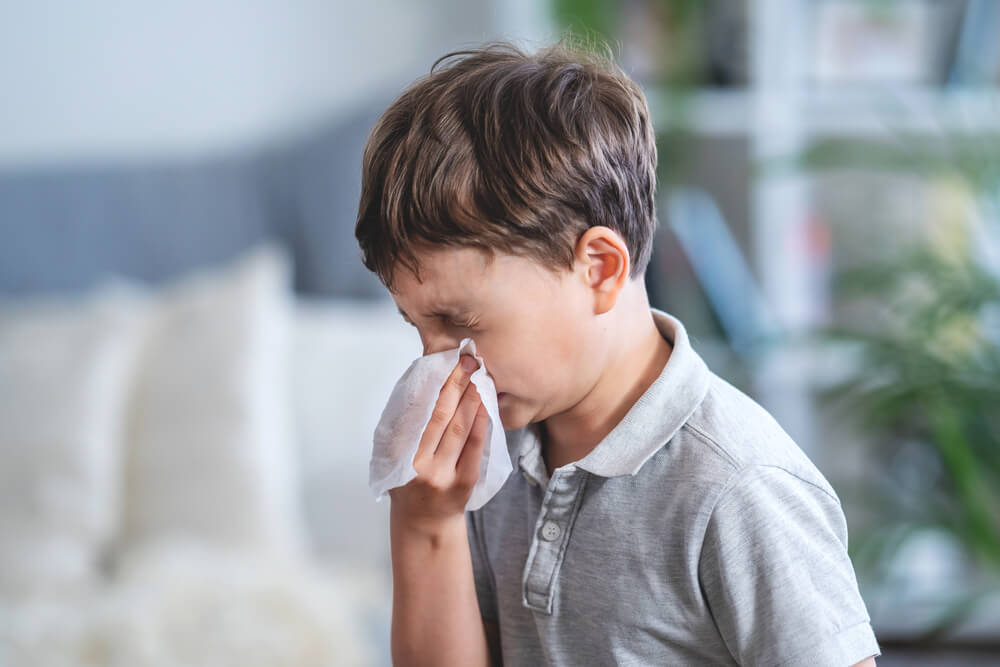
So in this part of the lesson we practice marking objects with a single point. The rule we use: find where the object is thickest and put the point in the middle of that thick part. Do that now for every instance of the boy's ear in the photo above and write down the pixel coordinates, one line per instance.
(603, 260)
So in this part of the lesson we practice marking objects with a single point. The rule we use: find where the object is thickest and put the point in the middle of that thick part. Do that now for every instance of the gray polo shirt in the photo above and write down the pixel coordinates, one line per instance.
(696, 533)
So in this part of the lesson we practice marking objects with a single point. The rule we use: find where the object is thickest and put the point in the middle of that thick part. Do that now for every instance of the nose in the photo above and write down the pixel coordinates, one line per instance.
(438, 342)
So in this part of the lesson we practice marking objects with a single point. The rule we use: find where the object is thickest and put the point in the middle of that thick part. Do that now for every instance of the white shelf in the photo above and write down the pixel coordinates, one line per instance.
(891, 110)
(845, 111)
(707, 111)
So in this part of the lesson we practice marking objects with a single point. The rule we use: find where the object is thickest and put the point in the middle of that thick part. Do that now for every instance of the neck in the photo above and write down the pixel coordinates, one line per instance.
(638, 355)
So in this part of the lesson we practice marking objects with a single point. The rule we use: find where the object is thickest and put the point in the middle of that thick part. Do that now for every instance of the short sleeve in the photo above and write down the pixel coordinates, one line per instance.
(481, 570)
(775, 571)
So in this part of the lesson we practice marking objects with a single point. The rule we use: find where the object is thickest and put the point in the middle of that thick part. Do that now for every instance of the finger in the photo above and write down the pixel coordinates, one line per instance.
(458, 429)
(448, 399)
(470, 460)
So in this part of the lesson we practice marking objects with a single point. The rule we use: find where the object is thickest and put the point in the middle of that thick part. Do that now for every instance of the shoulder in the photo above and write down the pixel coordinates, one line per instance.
(746, 440)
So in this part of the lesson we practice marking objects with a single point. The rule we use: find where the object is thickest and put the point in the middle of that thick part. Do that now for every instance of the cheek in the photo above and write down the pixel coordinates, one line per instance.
(533, 374)
(506, 367)
(534, 362)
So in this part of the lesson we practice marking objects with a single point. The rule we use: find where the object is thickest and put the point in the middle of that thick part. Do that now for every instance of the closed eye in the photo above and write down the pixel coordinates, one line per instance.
(469, 324)
(464, 325)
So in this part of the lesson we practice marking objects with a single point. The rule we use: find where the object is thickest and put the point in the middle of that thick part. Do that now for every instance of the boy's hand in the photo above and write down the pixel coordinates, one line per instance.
(448, 456)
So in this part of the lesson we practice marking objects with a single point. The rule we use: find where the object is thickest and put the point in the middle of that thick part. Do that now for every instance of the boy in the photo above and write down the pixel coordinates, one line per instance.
(656, 515)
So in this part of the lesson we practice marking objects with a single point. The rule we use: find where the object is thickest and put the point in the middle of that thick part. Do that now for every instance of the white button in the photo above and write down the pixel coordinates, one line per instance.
(550, 531)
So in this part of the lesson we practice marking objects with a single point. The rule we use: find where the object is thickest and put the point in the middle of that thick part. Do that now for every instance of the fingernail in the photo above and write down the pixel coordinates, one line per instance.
(468, 363)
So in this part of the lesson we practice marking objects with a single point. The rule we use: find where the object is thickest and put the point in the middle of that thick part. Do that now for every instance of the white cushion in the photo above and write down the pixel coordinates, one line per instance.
(346, 358)
(210, 454)
(64, 364)
(191, 604)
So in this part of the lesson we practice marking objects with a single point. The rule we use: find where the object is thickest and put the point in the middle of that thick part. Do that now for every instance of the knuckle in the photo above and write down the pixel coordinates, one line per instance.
(470, 402)
(423, 477)
(458, 429)
(465, 483)
(458, 382)
(439, 481)
(439, 417)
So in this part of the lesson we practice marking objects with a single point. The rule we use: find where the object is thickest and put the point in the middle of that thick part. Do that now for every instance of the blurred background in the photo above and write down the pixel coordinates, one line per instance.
(193, 358)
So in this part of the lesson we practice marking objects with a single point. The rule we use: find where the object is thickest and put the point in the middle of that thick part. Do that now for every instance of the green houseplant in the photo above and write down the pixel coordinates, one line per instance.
(923, 320)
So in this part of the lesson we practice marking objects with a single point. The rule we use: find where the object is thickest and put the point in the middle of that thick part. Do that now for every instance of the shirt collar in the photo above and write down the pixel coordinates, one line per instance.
(649, 424)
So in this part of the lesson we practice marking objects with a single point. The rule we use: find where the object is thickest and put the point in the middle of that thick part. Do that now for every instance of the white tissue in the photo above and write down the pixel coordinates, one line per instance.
(407, 413)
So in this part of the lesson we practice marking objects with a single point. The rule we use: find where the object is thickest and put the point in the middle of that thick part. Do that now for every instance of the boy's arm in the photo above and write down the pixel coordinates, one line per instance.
(777, 576)
(870, 662)
(435, 612)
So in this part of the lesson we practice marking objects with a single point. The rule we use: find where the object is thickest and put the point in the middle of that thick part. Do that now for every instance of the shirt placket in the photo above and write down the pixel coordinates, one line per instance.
(551, 537)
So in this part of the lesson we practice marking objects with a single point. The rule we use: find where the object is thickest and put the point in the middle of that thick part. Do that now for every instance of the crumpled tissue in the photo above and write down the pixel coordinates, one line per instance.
(398, 433)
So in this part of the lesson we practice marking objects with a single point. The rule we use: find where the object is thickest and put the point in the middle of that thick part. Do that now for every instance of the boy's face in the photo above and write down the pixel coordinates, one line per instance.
(535, 329)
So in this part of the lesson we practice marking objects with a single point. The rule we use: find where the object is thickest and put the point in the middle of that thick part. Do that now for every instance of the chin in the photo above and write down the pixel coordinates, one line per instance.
(512, 418)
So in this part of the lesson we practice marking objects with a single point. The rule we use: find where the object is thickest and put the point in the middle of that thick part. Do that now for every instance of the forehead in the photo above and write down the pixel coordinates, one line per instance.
(460, 280)
(449, 278)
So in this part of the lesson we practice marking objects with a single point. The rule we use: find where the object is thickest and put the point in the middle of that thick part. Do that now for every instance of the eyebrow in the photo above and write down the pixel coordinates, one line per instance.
(446, 312)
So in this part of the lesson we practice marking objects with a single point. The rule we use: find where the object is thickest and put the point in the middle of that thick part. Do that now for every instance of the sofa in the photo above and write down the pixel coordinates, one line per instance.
(183, 471)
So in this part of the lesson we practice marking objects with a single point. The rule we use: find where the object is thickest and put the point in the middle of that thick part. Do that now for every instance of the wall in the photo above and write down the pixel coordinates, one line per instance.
(117, 79)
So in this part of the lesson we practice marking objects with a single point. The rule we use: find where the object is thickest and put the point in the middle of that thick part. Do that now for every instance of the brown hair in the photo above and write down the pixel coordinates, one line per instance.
(504, 150)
